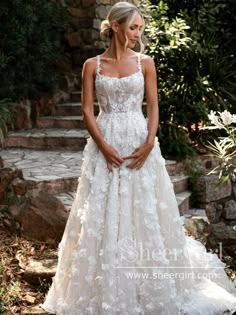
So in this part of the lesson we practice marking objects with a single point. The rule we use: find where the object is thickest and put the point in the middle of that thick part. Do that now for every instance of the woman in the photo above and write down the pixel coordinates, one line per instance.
(124, 250)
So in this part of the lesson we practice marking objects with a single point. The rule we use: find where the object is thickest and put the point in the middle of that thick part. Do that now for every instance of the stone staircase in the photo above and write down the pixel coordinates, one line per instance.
(51, 154)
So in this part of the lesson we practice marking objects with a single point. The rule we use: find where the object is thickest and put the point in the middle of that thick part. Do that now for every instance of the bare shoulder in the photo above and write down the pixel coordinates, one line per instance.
(147, 62)
(90, 65)
(148, 66)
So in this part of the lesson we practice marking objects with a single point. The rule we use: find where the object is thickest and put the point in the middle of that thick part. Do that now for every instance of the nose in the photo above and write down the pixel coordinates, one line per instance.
(137, 34)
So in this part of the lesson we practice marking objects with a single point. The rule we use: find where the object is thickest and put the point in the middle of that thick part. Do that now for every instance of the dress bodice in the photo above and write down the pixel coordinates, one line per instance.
(120, 94)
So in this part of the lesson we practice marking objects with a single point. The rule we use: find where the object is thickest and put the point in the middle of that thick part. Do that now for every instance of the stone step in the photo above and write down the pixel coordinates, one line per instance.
(180, 182)
(65, 122)
(171, 166)
(54, 138)
(196, 214)
(75, 109)
(58, 171)
(39, 269)
(76, 96)
(183, 200)
(71, 109)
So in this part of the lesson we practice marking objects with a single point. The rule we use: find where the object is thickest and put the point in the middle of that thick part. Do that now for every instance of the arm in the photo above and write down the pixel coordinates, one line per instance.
(141, 153)
(152, 98)
(88, 75)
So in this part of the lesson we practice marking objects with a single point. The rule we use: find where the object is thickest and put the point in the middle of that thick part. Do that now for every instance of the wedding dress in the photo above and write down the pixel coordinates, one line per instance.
(124, 250)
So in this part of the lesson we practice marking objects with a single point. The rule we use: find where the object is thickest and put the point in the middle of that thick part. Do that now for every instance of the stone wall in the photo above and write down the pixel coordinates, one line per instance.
(29, 210)
(219, 201)
(82, 38)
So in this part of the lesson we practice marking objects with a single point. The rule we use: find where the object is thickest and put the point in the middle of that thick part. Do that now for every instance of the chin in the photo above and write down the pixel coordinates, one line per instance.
(131, 45)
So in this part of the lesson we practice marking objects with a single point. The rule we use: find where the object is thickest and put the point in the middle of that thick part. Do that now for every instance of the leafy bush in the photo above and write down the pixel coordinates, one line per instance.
(30, 46)
(192, 46)
(224, 148)
(175, 141)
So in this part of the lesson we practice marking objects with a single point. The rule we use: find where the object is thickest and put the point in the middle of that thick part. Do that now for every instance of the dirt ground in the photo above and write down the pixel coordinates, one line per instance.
(16, 295)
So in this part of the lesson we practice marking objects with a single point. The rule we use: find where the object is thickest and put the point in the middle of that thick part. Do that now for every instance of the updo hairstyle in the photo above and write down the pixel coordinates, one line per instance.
(120, 12)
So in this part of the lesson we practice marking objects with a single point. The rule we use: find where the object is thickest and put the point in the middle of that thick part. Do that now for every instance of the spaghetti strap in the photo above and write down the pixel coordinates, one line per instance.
(139, 62)
(98, 69)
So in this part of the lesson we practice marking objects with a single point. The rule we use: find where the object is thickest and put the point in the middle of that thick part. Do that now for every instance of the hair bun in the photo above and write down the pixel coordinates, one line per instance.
(106, 30)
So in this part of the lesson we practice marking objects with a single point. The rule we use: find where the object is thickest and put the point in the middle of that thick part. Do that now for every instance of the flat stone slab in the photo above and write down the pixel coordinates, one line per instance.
(45, 165)
(180, 182)
(195, 213)
(40, 269)
(183, 200)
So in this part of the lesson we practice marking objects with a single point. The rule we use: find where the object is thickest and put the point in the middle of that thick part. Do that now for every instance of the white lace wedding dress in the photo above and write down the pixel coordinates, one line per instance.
(124, 251)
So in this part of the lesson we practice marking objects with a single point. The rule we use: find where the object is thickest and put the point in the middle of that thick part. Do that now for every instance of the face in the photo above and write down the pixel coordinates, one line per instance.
(133, 32)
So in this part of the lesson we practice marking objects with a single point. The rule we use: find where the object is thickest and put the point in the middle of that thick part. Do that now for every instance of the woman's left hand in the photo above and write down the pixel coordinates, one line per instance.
(139, 155)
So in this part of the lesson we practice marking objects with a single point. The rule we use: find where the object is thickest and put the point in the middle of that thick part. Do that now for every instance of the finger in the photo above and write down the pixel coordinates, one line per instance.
(135, 163)
(117, 157)
(133, 155)
(109, 166)
(131, 165)
(116, 163)
(120, 160)
(138, 168)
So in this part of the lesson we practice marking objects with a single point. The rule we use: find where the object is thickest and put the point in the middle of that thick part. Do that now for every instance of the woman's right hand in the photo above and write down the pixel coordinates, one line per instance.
(112, 156)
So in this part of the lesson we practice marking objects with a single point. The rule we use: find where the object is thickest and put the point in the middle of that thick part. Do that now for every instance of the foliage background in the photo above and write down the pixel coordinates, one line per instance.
(30, 46)
(192, 43)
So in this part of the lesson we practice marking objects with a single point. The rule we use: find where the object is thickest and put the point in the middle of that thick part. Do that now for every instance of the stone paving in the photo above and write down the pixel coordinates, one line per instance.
(56, 132)
(44, 165)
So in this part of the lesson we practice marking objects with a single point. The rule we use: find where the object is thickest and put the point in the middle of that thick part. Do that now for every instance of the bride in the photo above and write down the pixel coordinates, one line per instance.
(124, 250)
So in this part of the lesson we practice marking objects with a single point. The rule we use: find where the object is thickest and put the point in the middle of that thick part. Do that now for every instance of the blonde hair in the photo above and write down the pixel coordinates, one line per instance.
(121, 12)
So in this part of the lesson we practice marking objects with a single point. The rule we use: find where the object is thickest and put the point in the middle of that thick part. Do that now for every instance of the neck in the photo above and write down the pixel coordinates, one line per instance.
(115, 50)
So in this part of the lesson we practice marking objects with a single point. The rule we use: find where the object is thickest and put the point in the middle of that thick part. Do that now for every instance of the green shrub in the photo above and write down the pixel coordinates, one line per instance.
(192, 46)
(30, 46)
(175, 141)
(224, 148)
